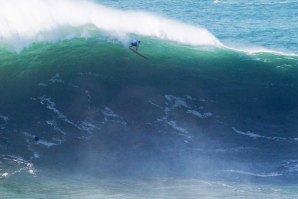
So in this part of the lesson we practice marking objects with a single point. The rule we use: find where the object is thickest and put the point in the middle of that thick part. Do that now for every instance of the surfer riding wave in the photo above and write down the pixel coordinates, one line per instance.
(135, 43)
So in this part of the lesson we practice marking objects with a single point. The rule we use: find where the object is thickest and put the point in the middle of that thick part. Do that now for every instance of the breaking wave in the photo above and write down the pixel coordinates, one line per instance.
(23, 23)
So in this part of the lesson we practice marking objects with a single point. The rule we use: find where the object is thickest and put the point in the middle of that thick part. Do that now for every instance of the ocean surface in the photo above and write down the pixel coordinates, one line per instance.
(212, 112)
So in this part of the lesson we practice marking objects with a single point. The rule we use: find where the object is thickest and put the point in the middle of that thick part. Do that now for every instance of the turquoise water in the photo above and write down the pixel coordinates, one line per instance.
(212, 113)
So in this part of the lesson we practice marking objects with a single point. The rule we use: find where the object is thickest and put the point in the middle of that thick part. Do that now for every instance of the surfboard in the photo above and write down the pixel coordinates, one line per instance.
(138, 53)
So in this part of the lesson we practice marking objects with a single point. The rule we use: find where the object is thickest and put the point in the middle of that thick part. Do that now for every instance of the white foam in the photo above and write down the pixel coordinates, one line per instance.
(24, 22)
(4, 175)
(16, 165)
(52, 106)
(5, 118)
(88, 126)
(4, 123)
(182, 131)
(200, 115)
(46, 143)
(53, 123)
(250, 134)
(109, 113)
(254, 135)
(190, 97)
(263, 175)
(156, 105)
(56, 79)
(40, 141)
(36, 155)
(291, 165)
(176, 102)
(89, 74)
(110, 116)
(173, 124)
(258, 50)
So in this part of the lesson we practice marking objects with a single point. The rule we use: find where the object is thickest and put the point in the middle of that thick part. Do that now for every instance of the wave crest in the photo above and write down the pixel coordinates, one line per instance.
(25, 22)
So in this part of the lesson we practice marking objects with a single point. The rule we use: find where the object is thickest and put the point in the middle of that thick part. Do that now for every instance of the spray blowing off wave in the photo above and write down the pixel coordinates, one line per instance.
(23, 23)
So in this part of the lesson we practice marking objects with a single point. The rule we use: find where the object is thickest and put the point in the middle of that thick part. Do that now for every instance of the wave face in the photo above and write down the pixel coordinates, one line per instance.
(98, 108)
(23, 23)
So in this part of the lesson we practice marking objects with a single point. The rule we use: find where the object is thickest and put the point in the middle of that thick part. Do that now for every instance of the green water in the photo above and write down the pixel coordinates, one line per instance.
(60, 92)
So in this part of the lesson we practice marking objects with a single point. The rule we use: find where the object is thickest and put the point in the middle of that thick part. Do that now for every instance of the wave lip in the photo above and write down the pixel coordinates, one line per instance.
(23, 23)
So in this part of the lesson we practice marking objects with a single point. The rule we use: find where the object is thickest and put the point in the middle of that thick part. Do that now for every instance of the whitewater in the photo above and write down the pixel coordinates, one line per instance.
(23, 23)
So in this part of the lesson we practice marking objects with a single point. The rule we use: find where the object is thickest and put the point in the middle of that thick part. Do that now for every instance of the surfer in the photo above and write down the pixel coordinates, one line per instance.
(135, 43)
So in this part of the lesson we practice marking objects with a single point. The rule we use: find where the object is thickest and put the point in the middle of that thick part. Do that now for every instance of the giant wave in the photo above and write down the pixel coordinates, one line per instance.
(100, 110)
